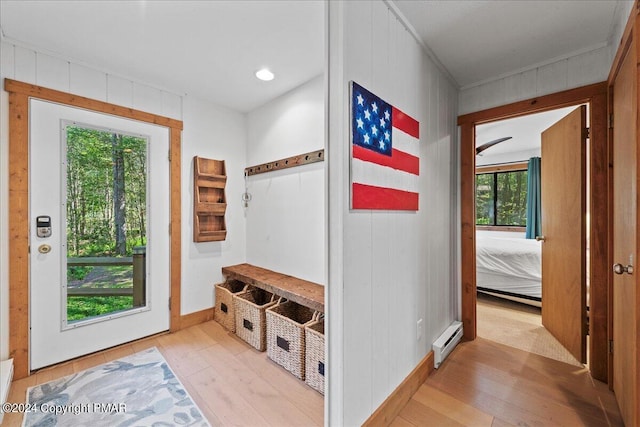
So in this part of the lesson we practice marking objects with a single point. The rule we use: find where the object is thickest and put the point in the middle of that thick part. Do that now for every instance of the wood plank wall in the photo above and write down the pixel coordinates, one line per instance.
(397, 266)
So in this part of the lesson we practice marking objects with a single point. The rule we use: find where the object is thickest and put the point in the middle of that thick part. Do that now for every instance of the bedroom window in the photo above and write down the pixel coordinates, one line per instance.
(501, 198)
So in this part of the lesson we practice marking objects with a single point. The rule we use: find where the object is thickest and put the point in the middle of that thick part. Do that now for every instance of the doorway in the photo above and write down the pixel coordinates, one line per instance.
(510, 191)
(87, 169)
(595, 96)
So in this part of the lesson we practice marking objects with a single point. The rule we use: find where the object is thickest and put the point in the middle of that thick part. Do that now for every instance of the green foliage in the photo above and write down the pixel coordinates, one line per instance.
(90, 190)
(78, 272)
(501, 198)
(82, 307)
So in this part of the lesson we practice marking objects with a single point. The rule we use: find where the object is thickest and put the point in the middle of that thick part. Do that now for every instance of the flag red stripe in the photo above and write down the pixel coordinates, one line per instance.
(370, 197)
(398, 159)
(405, 123)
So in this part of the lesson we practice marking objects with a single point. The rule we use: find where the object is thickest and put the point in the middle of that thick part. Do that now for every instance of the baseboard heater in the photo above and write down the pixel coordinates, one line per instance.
(446, 342)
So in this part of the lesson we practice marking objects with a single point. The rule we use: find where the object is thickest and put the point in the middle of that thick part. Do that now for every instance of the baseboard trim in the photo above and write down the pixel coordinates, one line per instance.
(391, 407)
(192, 319)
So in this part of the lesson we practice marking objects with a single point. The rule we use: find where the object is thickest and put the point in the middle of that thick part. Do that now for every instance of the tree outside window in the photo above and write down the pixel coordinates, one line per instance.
(501, 198)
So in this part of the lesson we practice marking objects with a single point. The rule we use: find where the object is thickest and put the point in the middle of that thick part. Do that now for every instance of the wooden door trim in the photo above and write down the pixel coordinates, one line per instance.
(19, 95)
(596, 96)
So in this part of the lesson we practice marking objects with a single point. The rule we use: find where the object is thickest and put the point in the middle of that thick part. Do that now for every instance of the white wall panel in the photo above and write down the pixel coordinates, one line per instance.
(586, 69)
(7, 60)
(119, 91)
(569, 73)
(171, 105)
(25, 65)
(286, 217)
(89, 82)
(6, 70)
(216, 133)
(146, 98)
(553, 77)
(52, 72)
(396, 265)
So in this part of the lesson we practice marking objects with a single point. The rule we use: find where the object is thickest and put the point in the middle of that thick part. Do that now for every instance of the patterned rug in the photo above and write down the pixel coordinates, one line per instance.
(138, 390)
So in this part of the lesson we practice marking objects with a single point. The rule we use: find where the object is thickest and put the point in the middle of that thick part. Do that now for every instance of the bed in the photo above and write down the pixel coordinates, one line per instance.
(509, 266)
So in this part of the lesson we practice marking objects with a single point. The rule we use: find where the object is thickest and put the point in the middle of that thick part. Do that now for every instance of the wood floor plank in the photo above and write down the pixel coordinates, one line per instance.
(297, 392)
(263, 396)
(401, 422)
(421, 415)
(224, 400)
(584, 401)
(448, 405)
(230, 341)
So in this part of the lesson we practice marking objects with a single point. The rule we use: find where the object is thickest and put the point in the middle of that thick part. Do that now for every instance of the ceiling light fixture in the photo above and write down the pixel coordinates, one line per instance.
(264, 75)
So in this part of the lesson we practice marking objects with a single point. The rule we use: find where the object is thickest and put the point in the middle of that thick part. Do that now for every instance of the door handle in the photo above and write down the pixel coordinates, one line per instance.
(541, 238)
(620, 269)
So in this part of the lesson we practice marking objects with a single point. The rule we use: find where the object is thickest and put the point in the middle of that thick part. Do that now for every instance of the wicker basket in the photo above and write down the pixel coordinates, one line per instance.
(285, 335)
(314, 355)
(225, 311)
(250, 309)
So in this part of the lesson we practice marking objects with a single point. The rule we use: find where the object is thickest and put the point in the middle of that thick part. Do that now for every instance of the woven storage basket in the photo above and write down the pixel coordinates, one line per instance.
(285, 335)
(225, 313)
(251, 324)
(314, 355)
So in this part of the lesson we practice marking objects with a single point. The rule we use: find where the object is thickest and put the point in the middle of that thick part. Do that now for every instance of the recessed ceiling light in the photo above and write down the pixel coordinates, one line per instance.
(264, 74)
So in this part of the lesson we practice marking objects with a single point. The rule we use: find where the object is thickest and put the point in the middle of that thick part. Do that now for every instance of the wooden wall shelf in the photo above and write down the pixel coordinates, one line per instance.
(209, 200)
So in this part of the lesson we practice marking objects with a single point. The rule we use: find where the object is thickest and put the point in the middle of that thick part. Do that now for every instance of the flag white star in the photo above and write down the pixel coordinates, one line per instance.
(382, 144)
(374, 107)
(387, 115)
(360, 99)
(382, 123)
(387, 135)
(360, 123)
(367, 114)
(366, 138)
(374, 130)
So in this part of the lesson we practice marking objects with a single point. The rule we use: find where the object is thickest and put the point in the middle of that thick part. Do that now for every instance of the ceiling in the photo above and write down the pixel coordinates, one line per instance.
(213, 48)
(210, 49)
(480, 40)
(525, 132)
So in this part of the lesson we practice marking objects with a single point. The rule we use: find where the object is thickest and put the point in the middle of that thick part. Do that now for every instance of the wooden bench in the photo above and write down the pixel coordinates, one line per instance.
(300, 291)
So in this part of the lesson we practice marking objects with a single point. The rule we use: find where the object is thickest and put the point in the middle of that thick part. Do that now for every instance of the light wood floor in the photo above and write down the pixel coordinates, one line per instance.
(232, 383)
(483, 383)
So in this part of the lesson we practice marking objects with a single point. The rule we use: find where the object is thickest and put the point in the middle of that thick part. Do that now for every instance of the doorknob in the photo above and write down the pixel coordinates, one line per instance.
(620, 269)
(541, 238)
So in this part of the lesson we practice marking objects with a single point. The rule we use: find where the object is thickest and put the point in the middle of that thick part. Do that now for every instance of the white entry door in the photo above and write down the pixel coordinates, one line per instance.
(83, 245)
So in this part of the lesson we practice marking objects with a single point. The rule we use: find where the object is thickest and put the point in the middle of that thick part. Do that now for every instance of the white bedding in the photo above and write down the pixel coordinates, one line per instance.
(509, 265)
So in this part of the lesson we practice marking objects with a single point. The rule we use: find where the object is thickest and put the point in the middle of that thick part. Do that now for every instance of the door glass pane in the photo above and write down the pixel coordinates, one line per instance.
(106, 211)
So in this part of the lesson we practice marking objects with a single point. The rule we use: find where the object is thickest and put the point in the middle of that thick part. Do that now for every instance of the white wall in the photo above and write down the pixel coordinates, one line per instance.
(566, 73)
(286, 217)
(215, 133)
(386, 269)
(208, 131)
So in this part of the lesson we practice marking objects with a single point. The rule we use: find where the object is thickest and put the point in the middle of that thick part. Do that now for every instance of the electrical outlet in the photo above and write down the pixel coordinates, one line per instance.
(419, 330)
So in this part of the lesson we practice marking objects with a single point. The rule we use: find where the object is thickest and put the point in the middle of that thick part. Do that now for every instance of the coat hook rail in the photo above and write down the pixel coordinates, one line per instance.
(289, 162)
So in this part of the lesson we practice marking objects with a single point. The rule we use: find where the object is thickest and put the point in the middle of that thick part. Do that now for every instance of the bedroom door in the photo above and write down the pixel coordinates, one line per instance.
(626, 297)
(563, 227)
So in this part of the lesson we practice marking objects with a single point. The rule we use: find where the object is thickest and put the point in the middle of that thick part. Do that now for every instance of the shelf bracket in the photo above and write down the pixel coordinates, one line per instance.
(289, 162)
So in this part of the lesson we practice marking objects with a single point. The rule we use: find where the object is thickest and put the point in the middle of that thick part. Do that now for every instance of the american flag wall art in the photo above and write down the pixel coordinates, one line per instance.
(385, 162)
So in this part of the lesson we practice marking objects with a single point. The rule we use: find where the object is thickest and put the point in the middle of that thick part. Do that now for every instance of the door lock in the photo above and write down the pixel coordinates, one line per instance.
(541, 238)
(44, 249)
(621, 269)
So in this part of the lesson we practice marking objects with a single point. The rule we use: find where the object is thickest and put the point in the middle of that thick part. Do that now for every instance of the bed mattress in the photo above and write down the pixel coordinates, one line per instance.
(510, 265)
